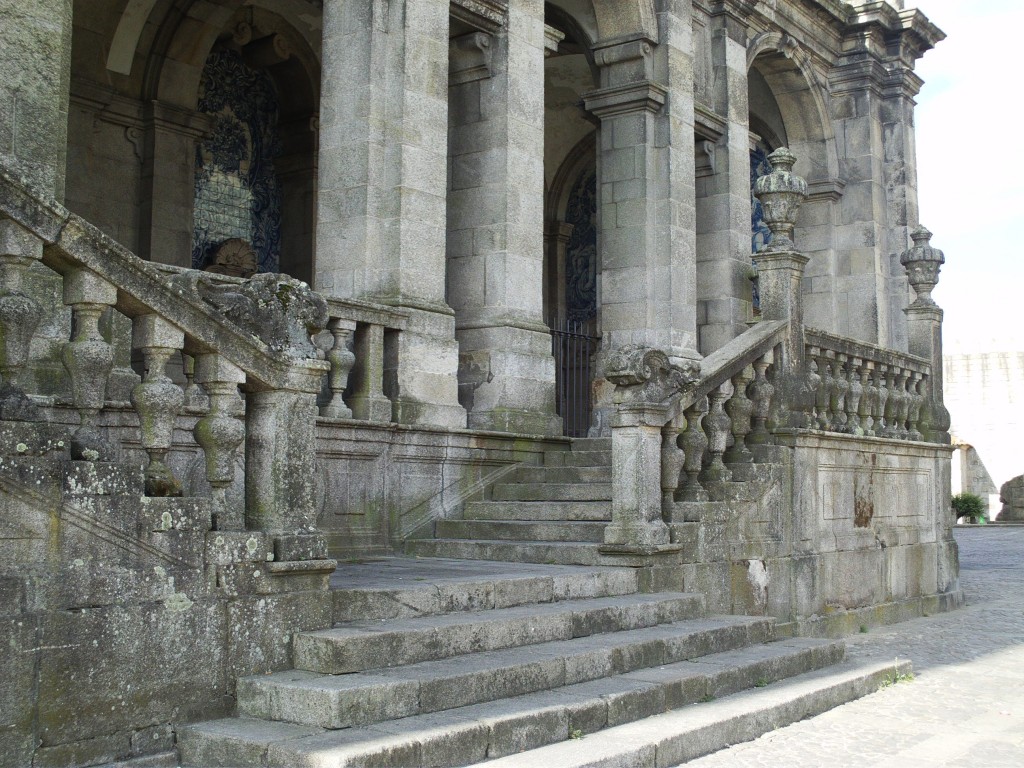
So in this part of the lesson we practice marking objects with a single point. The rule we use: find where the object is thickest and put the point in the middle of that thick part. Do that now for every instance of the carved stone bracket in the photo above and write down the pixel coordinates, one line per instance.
(645, 375)
(469, 58)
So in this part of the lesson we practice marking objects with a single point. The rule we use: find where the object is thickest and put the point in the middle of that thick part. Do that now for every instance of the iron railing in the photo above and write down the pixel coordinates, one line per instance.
(573, 345)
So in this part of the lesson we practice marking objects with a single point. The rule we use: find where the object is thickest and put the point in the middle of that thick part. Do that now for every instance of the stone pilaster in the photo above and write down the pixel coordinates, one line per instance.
(723, 210)
(35, 76)
(495, 225)
(382, 184)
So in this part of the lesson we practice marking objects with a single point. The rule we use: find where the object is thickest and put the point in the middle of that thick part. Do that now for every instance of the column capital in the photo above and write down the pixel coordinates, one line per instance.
(644, 96)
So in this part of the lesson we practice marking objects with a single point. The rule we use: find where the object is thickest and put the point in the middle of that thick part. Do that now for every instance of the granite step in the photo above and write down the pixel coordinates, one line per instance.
(364, 698)
(521, 530)
(602, 458)
(551, 510)
(360, 646)
(590, 491)
(470, 734)
(530, 474)
(550, 552)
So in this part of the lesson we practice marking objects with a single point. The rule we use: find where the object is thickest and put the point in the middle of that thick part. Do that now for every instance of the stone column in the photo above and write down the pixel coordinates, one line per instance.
(382, 184)
(723, 235)
(35, 76)
(496, 225)
(646, 195)
(924, 327)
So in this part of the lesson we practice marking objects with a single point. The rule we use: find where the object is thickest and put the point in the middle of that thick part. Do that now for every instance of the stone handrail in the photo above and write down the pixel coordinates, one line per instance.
(255, 335)
(862, 389)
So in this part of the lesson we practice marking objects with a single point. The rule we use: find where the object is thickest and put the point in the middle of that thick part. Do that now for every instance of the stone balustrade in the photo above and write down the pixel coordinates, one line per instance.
(252, 367)
(865, 390)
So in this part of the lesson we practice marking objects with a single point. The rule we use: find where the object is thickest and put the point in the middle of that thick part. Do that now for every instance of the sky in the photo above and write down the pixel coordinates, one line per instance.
(970, 153)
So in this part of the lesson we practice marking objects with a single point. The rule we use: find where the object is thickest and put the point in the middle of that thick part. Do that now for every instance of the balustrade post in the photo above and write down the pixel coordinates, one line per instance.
(880, 401)
(761, 392)
(917, 398)
(924, 326)
(88, 359)
(368, 400)
(868, 393)
(892, 403)
(672, 459)
(854, 392)
(823, 395)
(695, 444)
(157, 399)
(718, 427)
(341, 359)
(840, 386)
(903, 405)
(740, 410)
(220, 432)
(19, 317)
(195, 397)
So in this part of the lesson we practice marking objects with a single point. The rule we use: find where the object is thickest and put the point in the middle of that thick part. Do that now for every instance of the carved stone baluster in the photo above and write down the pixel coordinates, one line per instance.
(917, 398)
(220, 432)
(903, 405)
(853, 396)
(88, 359)
(19, 317)
(870, 392)
(891, 402)
(341, 359)
(880, 402)
(195, 397)
(718, 426)
(740, 410)
(812, 384)
(823, 395)
(694, 443)
(157, 399)
(761, 392)
(672, 459)
(840, 387)
(368, 400)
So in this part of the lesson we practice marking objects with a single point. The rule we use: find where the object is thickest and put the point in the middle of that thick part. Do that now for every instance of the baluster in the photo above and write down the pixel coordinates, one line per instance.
(823, 394)
(195, 397)
(157, 399)
(341, 359)
(891, 403)
(903, 405)
(807, 400)
(368, 400)
(854, 394)
(840, 386)
(88, 359)
(881, 400)
(672, 459)
(740, 410)
(869, 393)
(718, 426)
(914, 410)
(761, 392)
(220, 432)
(694, 443)
(19, 317)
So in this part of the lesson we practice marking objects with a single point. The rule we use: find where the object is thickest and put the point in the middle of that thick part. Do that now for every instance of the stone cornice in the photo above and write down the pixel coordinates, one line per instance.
(483, 15)
(625, 99)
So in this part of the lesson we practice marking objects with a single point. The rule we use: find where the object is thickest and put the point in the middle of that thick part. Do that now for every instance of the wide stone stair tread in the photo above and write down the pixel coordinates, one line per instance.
(521, 530)
(676, 737)
(570, 511)
(341, 701)
(473, 733)
(602, 458)
(359, 646)
(552, 552)
(552, 491)
(545, 474)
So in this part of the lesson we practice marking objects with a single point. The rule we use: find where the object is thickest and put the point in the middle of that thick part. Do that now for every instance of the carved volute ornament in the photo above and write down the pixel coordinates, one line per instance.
(781, 192)
(922, 263)
(645, 375)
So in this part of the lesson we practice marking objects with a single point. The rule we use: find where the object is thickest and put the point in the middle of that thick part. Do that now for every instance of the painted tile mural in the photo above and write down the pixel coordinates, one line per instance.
(236, 190)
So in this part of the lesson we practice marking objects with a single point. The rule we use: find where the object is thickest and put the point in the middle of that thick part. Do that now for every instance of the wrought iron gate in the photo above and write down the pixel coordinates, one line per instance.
(573, 346)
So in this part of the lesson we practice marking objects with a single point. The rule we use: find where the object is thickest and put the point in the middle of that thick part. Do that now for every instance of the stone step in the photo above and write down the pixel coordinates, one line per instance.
(590, 491)
(551, 510)
(677, 737)
(402, 587)
(358, 699)
(521, 530)
(361, 646)
(474, 733)
(555, 553)
(562, 474)
(591, 444)
(578, 459)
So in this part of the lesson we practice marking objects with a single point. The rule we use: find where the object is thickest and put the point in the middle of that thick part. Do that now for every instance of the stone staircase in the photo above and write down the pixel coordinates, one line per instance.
(544, 654)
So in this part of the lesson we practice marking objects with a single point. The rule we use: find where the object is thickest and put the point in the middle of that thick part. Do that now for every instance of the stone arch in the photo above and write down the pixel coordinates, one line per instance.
(611, 19)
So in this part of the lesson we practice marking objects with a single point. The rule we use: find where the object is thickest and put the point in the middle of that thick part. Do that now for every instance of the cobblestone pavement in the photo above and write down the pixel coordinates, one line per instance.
(965, 705)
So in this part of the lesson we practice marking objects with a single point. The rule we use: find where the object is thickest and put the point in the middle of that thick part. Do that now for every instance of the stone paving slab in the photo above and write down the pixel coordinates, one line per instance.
(965, 706)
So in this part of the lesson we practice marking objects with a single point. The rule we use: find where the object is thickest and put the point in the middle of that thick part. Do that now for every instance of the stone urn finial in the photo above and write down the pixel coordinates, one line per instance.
(780, 193)
(922, 263)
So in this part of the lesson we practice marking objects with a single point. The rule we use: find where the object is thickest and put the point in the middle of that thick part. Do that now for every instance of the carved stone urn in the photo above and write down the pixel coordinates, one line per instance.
(922, 263)
(781, 192)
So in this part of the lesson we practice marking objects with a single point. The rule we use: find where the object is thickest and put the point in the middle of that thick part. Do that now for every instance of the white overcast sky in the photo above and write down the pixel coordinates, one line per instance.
(969, 119)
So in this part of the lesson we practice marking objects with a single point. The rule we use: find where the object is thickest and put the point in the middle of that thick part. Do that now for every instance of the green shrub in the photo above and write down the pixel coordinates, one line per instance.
(969, 505)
